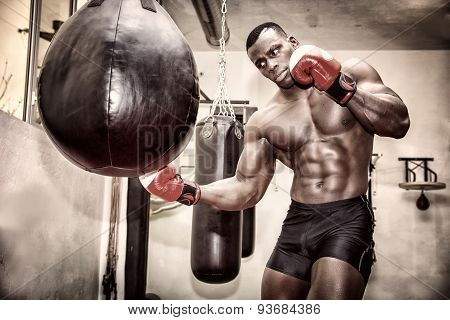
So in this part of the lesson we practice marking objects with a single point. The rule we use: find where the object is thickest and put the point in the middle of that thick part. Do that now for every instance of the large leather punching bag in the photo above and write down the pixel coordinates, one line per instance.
(118, 91)
(216, 243)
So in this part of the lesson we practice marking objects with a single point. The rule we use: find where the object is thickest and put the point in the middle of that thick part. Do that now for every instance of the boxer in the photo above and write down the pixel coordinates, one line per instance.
(321, 123)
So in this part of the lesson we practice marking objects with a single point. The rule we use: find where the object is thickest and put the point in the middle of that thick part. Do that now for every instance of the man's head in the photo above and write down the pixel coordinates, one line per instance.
(270, 48)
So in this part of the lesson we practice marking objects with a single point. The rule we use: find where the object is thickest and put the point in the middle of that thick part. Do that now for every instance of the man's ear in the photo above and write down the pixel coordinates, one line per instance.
(293, 42)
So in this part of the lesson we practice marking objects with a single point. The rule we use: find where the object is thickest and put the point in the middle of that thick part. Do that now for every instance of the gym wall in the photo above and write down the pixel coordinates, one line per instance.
(51, 216)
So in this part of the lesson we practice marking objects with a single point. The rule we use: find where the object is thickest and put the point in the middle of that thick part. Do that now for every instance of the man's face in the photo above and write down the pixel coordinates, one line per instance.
(271, 54)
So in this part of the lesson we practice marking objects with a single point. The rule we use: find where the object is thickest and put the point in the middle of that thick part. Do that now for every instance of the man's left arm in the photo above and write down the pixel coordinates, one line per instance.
(358, 87)
(378, 108)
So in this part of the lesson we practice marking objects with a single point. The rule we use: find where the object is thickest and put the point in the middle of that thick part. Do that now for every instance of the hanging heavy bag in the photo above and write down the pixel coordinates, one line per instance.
(216, 243)
(248, 232)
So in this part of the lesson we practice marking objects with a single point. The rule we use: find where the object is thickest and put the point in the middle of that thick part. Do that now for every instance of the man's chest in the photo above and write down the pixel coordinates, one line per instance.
(300, 122)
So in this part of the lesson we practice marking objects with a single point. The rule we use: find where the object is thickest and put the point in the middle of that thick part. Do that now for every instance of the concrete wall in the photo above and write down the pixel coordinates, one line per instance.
(51, 215)
(412, 246)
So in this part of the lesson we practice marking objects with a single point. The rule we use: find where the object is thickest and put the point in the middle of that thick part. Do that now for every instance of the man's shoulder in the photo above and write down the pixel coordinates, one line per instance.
(260, 117)
(252, 130)
(255, 119)
(360, 70)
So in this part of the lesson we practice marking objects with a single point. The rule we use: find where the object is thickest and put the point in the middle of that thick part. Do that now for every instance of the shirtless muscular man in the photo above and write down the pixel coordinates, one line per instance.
(320, 123)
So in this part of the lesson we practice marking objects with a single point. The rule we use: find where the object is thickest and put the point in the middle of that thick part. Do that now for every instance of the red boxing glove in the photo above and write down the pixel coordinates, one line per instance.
(168, 185)
(312, 65)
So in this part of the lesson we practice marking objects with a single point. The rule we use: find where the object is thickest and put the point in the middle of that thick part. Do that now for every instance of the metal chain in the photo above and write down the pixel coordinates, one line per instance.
(222, 100)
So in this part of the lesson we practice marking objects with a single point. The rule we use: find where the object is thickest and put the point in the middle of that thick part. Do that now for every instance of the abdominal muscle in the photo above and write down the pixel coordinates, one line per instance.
(327, 170)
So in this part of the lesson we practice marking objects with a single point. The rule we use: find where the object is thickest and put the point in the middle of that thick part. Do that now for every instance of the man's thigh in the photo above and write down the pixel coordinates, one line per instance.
(335, 279)
(279, 286)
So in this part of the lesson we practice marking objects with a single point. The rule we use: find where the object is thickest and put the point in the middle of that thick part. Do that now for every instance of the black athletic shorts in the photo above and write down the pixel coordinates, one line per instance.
(340, 229)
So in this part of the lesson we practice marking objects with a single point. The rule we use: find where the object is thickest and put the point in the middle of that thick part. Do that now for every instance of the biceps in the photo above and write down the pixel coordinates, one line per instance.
(380, 90)
(256, 165)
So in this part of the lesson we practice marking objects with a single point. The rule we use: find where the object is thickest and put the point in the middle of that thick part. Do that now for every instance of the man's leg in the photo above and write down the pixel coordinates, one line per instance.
(335, 279)
(279, 286)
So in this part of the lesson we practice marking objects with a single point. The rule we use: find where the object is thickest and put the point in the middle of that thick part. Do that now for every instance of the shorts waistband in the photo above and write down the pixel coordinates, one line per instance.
(327, 205)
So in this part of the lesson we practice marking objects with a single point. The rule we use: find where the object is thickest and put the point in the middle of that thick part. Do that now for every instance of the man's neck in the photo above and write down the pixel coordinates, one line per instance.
(295, 93)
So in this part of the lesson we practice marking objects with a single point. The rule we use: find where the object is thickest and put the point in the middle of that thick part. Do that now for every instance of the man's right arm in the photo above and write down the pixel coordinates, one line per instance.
(254, 172)
(253, 175)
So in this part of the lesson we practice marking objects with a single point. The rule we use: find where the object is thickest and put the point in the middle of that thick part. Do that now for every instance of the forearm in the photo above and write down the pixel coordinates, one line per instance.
(229, 194)
(382, 114)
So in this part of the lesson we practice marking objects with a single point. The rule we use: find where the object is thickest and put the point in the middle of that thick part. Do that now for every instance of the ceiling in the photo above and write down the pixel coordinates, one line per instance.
(332, 24)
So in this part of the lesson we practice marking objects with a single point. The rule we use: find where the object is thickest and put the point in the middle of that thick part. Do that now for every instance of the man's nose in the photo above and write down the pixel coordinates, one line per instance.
(273, 65)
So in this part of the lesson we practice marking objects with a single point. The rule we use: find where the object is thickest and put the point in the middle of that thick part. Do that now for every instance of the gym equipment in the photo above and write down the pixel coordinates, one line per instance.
(216, 242)
(430, 180)
(248, 232)
(118, 91)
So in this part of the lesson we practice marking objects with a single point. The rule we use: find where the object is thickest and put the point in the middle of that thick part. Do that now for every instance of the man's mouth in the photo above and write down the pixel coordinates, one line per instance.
(280, 77)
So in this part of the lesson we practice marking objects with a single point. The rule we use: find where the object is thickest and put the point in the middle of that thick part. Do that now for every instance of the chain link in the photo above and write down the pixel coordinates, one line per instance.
(222, 100)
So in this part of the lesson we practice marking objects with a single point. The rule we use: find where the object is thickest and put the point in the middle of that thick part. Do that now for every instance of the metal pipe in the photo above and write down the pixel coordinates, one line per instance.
(32, 54)
(72, 7)
(209, 13)
(138, 200)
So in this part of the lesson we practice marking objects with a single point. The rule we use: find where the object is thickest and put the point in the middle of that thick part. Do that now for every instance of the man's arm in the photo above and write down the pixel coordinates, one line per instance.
(378, 108)
(359, 87)
(253, 174)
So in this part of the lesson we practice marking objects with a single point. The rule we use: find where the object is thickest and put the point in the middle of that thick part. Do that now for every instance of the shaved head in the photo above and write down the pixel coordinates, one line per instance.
(256, 32)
